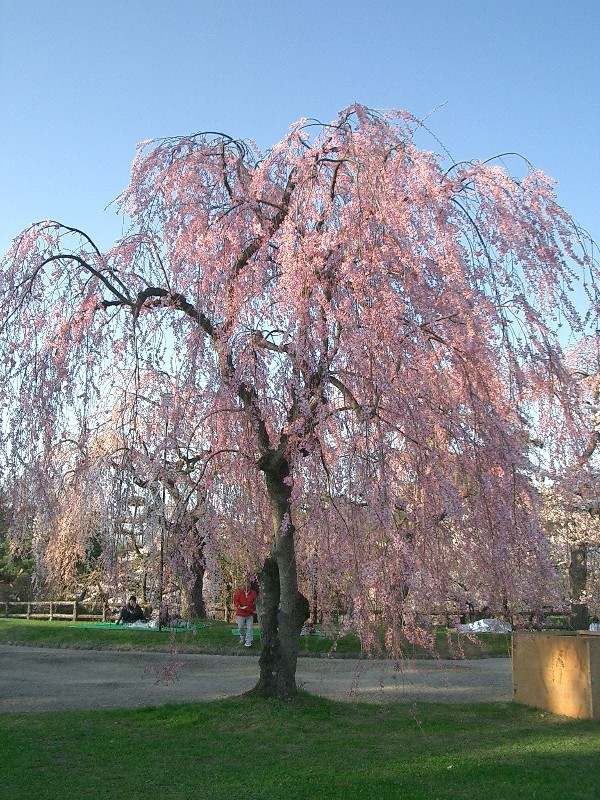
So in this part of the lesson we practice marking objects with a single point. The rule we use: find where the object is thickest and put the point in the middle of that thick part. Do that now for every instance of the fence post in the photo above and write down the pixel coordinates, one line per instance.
(28, 609)
(74, 610)
(50, 613)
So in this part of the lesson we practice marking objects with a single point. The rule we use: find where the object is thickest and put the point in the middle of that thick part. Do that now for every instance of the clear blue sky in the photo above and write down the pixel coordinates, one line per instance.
(82, 81)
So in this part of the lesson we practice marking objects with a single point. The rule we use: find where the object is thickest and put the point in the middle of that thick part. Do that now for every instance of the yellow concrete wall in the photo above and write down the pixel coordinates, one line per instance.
(558, 672)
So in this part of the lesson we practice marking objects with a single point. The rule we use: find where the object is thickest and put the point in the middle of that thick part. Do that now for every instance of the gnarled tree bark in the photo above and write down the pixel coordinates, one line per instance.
(282, 609)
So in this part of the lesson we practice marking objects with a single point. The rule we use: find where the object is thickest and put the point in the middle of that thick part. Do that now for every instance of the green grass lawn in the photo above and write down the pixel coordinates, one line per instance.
(308, 749)
(216, 637)
(311, 748)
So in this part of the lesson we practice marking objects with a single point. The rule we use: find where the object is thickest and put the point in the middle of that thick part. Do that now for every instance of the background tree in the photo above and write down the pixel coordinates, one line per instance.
(361, 326)
(125, 512)
(573, 493)
(16, 568)
(574, 536)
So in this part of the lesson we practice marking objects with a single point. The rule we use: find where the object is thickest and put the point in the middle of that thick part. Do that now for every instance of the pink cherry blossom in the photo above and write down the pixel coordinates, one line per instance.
(358, 341)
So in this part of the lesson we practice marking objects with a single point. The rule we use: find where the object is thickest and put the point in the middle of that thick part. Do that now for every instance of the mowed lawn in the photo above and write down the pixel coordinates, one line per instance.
(216, 637)
(309, 748)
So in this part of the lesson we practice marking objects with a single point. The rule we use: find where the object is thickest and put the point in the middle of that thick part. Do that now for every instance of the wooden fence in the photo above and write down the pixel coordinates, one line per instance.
(52, 609)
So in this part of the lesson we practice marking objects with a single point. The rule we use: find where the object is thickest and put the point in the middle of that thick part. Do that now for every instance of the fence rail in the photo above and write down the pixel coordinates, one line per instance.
(52, 609)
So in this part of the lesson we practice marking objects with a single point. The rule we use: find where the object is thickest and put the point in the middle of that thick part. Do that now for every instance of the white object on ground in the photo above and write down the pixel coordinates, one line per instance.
(485, 626)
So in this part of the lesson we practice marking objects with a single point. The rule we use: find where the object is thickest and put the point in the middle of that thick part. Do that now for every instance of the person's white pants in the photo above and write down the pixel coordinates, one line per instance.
(245, 629)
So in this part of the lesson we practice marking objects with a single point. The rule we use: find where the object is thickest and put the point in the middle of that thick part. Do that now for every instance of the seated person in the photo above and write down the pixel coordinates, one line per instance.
(132, 612)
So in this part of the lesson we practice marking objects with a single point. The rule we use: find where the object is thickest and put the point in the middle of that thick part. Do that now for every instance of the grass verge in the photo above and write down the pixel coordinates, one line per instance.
(216, 637)
(311, 748)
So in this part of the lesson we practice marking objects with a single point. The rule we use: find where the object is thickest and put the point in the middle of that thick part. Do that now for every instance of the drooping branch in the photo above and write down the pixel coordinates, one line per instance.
(251, 249)
(172, 300)
(348, 396)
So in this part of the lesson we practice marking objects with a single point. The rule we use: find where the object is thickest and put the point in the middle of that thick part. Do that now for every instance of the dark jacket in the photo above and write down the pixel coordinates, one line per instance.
(131, 614)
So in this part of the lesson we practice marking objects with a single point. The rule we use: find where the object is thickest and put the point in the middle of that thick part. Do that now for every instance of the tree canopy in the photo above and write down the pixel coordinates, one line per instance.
(357, 337)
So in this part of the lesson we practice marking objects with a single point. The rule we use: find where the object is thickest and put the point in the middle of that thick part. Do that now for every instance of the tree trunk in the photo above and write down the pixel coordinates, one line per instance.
(194, 597)
(282, 610)
(579, 617)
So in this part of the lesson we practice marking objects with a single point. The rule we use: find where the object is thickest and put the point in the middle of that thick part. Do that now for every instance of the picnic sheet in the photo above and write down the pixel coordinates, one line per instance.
(485, 626)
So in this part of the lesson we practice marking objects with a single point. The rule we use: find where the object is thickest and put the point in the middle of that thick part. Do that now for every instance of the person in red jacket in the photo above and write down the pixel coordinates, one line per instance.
(244, 602)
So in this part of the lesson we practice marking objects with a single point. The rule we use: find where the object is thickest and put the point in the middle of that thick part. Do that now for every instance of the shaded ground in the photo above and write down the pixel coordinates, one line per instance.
(35, 679)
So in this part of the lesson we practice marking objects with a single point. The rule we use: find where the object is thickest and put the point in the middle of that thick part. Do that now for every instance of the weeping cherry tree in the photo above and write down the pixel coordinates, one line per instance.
(365, 327)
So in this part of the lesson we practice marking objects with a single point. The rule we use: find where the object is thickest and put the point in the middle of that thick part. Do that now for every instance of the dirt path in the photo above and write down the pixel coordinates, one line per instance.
(34, 679)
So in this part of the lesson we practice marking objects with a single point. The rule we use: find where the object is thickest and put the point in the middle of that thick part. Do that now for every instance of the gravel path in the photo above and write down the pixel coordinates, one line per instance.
(36, 679)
